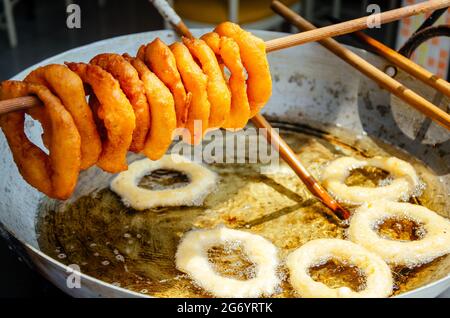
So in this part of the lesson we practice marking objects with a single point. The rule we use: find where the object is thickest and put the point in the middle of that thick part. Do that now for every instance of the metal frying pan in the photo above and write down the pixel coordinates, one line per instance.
(310, 86)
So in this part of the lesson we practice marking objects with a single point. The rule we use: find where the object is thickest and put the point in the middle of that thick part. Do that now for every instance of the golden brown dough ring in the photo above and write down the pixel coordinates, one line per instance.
(69, 88)
(212, 39)
(94, 104)
(116, 113)
(162, 108)
(195, 83)
(228, 50)
(141, 52)
(160, 60)
(219, 95)
(133, 88)
(253, 54)
(55, 174)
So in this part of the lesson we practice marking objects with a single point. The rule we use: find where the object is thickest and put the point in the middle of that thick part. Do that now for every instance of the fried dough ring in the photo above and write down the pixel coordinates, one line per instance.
(116, 113)
(69, 88)
(195, 82)
(228, 50)
(253, 54)
(192, 258)
(95, 106)
(161, 61)
(55, 174)
(434, 243)
(202, 181)
(405, 180)
(377, 272)
(219, 95)
(162, 109)
(141, 52)
(133, 88)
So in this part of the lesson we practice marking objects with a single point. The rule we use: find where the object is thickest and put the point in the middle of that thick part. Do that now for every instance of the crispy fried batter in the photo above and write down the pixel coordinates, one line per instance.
(228, 51)
(161, 61)
(213, 41)
(162, 108)
(55, 174)
(135, 104)
(94, 104)
(196, 83)
(133, 88)
(69, 88)
(253, 54)
(219, 95)
(116, 113)
(141, 52)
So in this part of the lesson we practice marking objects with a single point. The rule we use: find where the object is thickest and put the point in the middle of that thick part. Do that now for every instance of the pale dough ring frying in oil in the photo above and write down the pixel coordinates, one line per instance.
(434, 243)
(201, 182)
(379, 280)
(192, 258)
(404, 184)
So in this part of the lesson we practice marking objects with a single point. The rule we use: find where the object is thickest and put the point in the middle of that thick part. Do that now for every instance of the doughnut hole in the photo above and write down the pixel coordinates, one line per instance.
(336, 274)
(400, 229)
(164, 179)
(230, 260)
(36, 124)
(367, 176)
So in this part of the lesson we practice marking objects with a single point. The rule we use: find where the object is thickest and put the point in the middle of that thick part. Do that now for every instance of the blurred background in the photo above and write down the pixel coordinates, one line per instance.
(32, 30)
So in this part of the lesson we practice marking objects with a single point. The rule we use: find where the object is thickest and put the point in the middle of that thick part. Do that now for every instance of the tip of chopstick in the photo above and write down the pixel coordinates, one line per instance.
(342, 213)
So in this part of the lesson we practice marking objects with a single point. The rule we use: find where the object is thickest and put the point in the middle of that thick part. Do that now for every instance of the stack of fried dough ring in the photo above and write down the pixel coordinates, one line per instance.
(135, 104)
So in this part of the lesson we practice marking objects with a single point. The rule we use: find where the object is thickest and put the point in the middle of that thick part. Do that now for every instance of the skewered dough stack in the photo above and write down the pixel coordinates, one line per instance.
(135, 104)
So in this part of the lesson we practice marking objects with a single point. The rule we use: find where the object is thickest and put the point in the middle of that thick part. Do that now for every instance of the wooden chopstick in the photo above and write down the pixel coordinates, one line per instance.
(317, 34)
(395, 87)
(274, 138)
(292, 160)
(402, 61)
(405, 64)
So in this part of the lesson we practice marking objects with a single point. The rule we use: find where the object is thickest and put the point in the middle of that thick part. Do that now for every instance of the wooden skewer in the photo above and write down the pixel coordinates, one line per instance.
(395, 87)
(314, 34)
(406, 64)
(19, 103)
(258, 120)
(271, 134)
